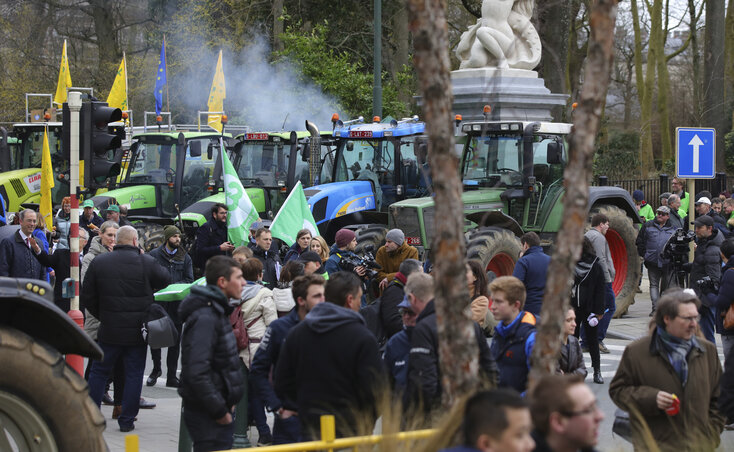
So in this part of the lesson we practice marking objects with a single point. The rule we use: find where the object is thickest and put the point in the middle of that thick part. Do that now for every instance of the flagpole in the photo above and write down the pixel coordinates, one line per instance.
(165, 65)
(127, 100)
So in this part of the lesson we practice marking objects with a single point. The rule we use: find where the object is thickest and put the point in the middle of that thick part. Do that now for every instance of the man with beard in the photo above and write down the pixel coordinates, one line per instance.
(308, 291)
(173, 258)
(211, 239)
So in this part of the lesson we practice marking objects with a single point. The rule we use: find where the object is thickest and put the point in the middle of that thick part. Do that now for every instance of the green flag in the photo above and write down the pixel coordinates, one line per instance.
(293, 216)
(240, 211)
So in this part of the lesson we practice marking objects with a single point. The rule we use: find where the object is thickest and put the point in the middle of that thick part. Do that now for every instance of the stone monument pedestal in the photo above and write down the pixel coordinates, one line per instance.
(513, 94)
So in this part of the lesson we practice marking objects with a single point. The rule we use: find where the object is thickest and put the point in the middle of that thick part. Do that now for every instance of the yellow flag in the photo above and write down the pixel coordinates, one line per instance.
(118, 94)
(47, 182)
(216, 96)
(64, 78)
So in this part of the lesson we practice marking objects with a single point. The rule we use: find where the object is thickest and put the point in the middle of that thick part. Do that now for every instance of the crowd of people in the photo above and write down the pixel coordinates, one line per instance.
(308, 329)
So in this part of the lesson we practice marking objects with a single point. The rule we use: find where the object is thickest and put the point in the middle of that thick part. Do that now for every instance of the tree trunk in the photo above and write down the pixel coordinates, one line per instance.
(587, 119)
(576, 53)
(277, 25)
(644, 94)
(105, 29)
(554, 23)
(458, 352)
(713, 69)
(401, 57)
(696, 54)
(663, 82)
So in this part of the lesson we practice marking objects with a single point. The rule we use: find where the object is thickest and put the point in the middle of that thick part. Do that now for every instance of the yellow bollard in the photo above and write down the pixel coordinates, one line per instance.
(132, 443)
(328, 429)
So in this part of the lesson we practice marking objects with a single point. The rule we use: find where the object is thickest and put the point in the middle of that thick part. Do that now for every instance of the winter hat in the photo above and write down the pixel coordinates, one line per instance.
(638, 195)
(169, 231)
(664, 209)
(395, 235)
(309, 256)
(344, 237)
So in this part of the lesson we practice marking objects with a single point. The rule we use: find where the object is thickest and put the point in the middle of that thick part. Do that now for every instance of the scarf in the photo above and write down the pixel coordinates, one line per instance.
(677, 351)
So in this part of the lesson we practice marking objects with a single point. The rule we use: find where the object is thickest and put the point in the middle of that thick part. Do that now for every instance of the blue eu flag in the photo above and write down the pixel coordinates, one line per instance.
(160, 80)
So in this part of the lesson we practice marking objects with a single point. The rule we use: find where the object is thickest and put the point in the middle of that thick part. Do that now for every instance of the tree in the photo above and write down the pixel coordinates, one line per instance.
(554, 24)
(458, 353)
(713, 68)
(644, 88)
(587, 120)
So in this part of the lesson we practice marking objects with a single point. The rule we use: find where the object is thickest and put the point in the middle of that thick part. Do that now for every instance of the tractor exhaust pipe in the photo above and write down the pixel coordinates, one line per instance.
(314, 157)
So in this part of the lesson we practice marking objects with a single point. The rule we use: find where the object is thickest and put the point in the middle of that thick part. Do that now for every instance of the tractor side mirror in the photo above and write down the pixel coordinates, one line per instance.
(350, 146)
(195, 148)
(210, 151)
(554, 153)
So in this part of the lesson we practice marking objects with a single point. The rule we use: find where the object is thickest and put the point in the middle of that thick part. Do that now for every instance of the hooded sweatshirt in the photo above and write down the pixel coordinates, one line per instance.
(328, 365)
(258, 311)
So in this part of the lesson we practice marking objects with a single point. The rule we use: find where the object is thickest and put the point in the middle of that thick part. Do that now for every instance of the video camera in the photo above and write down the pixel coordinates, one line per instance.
(677, 248)
(352, 261)
(707, 285)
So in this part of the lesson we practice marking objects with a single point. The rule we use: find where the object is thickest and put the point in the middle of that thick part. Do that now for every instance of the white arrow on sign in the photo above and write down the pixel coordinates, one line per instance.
(696, 143)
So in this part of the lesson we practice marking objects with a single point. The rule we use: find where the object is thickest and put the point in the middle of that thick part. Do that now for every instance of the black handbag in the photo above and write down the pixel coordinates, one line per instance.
(622, 426)
(159, 331)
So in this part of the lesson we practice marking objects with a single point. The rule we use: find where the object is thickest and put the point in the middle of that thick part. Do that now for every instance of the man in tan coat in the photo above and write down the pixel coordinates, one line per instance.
(670, 379)
(391, 255)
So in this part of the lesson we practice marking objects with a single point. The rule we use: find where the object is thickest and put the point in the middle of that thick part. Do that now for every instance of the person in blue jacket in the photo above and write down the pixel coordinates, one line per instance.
(308, 291)
(532, 270)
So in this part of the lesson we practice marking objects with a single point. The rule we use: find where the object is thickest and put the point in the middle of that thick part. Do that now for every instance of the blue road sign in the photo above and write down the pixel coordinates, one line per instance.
(695, 153)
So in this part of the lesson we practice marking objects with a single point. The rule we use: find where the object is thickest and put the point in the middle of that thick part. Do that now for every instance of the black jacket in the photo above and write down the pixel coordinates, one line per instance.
(726, 395)
(211, 370)
(706, 260)
(179, 265)
(270, 261)
(60, 261)
(424, 373)
(118, 288)
(589, 287)
(329, 364)
(208, 238)
(542, 446)
(17, 261)
(391, 297)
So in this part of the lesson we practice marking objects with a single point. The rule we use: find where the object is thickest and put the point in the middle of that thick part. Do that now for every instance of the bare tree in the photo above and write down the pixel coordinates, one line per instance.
(458, 353)
(587, 120)
(713, 68)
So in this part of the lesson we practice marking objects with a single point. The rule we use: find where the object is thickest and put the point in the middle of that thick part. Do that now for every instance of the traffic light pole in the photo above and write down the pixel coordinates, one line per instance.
(75, 105)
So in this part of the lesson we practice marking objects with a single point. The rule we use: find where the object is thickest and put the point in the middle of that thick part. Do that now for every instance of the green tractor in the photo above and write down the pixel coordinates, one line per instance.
(165, 172)
(513, 183)
(20, 164)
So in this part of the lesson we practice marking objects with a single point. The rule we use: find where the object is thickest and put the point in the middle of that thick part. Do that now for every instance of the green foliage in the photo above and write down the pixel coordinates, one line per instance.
(339, 75)
(729, 152)
(619, 157)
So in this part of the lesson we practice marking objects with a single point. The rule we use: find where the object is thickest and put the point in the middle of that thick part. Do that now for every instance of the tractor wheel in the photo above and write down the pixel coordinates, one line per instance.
(621, 238)
(373, 235)
(150, 236)
(497, 249)
(44, 403)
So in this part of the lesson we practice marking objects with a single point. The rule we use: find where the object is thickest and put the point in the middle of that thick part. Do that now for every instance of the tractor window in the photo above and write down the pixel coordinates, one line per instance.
(494, 160)
(263, 163)
(29, 153)
(544, 173)
(151, 161)
(199, 170)
(302, 172)
(415, 174)
(366, 160)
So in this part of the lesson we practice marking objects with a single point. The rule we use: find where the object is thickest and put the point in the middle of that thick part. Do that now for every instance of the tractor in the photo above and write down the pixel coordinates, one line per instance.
(512, 175)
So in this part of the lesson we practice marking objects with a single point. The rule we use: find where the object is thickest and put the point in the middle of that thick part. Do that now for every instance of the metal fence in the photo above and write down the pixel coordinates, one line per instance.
(653, 188)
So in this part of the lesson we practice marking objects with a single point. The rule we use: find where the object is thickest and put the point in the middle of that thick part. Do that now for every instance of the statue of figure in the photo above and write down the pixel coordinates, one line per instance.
(503, 37)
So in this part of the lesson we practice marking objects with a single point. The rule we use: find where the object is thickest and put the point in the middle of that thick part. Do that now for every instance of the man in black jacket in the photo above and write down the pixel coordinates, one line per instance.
(211, 238)
(118, 289)
(211, 380)
(60, 261)
(392, 321)
(424, 373)
(706, 262)
(329, 363)
(268, 257)
(16, 257)
(173, 257)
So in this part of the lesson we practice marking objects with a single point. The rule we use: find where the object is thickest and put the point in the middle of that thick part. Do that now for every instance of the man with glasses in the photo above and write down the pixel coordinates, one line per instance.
(16, 257)
(678, 187)
(565, 415)
(706, 263)
(669, 380)
(650, 244)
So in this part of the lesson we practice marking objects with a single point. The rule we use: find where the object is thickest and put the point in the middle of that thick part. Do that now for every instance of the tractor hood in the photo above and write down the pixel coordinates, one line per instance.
(200, 211)
(135, 198)
(337, 199)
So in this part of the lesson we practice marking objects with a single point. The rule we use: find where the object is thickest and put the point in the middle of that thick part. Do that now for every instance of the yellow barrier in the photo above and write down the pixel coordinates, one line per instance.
(329, 441)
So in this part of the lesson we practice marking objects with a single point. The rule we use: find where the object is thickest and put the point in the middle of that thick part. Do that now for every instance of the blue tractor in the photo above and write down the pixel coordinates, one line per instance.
(365, 168)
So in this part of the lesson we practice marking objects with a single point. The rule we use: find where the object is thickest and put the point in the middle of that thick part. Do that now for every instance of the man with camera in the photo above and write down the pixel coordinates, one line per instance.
(345, 242)
(706, 267)
(651, 241)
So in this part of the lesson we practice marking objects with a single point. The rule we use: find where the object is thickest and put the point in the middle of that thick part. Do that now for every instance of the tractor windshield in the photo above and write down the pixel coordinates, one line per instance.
(28, 153)
(263, 163)
(398, 165)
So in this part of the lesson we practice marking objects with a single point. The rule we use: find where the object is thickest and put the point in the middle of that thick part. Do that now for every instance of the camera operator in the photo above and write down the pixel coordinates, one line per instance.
(706, 262)
(725, 296)
(345, 243)
(651, 241)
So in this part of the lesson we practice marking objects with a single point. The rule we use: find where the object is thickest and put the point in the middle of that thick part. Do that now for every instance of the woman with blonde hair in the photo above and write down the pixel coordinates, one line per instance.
(318, 245)
(476, 278)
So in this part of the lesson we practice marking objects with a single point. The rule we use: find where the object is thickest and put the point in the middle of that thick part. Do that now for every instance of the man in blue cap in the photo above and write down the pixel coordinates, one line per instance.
(644, 210)
(397, 348)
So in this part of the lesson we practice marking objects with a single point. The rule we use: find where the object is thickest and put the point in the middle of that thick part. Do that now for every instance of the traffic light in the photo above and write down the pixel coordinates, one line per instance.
(98, 145)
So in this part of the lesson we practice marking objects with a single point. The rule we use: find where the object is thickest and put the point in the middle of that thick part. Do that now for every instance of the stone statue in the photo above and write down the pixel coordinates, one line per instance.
(502, 38)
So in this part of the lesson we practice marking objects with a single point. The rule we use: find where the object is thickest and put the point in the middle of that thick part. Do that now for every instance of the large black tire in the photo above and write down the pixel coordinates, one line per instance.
(150, 235)
(372, 235)
(621, 237)
(44, 403)
(497, 249)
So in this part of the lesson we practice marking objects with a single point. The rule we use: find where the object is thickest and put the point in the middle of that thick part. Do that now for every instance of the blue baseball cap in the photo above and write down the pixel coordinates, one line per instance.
(405, 303)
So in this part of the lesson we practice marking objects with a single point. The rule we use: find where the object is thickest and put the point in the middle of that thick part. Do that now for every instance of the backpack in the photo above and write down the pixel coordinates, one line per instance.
(237, 320)
(581, 272)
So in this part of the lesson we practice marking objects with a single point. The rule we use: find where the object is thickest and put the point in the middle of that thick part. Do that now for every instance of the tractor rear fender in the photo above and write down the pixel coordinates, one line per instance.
(37, 316)
(614, 196)
(496, 218)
